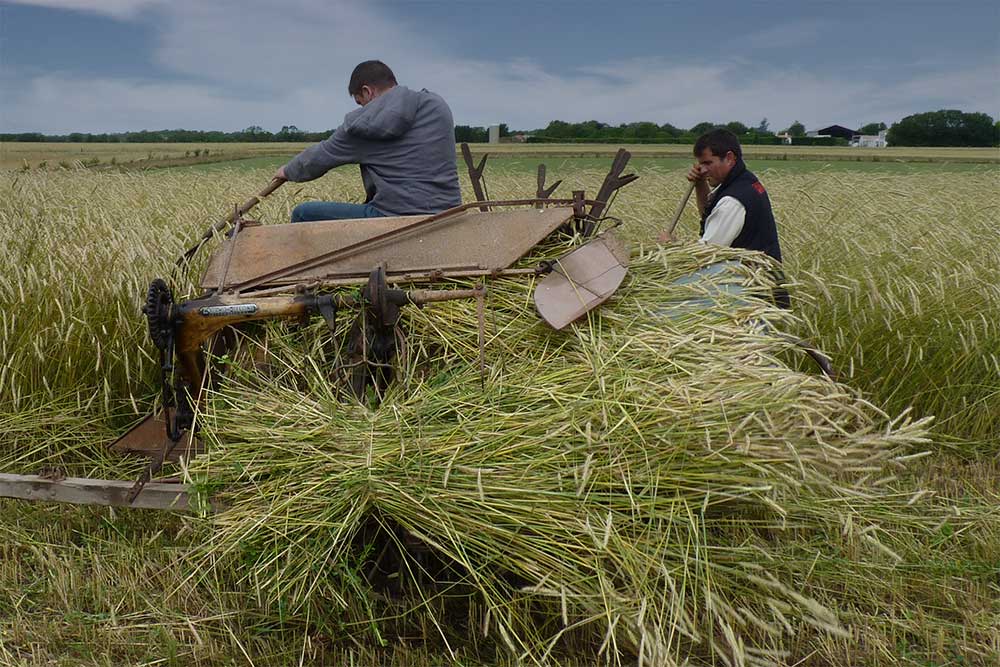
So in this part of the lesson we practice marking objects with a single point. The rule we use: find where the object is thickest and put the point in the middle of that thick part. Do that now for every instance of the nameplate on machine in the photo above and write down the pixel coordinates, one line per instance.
(235, 309)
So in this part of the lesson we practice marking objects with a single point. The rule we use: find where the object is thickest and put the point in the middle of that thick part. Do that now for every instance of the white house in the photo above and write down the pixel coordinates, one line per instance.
(870, 140)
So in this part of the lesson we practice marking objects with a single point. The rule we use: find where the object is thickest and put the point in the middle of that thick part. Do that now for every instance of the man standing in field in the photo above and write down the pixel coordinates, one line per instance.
(404, 141)
(737, 212)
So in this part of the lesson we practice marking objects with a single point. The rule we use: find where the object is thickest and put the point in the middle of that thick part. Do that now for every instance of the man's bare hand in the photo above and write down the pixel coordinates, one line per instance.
(665, 237)
(280, 175)
(697, 173)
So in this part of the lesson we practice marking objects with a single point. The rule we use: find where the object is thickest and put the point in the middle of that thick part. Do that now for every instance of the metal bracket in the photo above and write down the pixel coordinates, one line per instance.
(156, 464)
(612, 182)
(476, 175)
(327, 307)
(542, 192)
(579, 210)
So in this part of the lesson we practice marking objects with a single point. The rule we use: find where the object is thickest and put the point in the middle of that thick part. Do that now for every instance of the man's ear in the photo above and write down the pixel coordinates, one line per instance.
(731, 158)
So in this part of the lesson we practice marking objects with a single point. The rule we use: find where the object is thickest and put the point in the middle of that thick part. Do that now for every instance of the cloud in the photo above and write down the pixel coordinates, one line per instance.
(790, 34)
(234, 64)
(119, 9)
(280, 46)
(59, 104)
(968, 89)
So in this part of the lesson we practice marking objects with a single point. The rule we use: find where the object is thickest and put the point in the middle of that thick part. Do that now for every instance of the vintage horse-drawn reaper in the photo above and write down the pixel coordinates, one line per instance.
(266, 272)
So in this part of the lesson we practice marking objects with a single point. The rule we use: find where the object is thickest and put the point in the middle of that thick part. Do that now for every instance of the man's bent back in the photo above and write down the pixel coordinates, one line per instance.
(404, 141)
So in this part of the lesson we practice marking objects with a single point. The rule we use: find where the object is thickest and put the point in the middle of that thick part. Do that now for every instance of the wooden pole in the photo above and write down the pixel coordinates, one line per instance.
(680, 208)
(87, 491)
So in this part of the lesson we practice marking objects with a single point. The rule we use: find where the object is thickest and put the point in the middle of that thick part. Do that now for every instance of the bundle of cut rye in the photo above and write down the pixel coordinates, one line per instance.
(625, 485)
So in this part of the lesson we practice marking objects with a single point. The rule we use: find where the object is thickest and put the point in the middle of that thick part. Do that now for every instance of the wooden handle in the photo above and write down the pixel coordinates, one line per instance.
(271, 187)
(680, 208)
(247, 205)
(229, 219)
(253, 201)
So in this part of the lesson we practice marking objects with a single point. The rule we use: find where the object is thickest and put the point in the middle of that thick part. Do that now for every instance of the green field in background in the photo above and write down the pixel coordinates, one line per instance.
(20, 155)
(509, 163)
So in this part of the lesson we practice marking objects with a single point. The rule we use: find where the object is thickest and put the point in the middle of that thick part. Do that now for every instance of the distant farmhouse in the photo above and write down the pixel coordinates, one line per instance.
(838, 131)
(852, 137)
(831, 132)
(870, 140)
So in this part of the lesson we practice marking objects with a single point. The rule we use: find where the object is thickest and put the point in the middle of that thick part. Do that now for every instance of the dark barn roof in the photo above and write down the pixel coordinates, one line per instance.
(837, 131)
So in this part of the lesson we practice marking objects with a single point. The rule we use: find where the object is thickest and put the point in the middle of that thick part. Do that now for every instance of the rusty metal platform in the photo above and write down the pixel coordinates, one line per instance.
(471, 241)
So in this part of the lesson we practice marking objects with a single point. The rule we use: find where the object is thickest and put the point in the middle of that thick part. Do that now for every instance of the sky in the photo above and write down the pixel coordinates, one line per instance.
(122, 65)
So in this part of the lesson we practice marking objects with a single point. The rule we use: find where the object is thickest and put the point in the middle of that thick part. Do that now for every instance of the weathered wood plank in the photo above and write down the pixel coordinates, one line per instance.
(86, 491)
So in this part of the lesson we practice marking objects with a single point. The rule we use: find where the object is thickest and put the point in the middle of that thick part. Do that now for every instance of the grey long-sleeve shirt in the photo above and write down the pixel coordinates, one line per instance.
(404, 141)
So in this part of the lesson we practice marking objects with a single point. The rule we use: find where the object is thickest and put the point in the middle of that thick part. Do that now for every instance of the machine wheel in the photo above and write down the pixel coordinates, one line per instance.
(159, 299)
(371, 340)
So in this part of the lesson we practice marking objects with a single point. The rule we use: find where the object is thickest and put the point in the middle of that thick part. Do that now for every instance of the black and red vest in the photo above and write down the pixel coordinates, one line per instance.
(759, 229)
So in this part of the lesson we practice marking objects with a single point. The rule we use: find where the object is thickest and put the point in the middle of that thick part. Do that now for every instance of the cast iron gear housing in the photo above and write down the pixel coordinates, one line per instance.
(159, 299)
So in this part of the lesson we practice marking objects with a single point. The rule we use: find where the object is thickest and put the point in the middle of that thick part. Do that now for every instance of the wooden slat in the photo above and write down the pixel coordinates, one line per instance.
(86, 491)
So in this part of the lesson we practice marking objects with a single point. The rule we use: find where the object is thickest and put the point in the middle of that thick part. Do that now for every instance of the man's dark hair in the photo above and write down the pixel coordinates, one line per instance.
(374, 73)
(720, 141)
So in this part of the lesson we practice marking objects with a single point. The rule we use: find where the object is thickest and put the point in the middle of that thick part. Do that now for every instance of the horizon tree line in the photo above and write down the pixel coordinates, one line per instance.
(945, 127)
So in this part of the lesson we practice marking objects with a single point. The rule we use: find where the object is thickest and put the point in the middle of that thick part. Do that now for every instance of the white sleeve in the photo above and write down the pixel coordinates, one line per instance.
(725, 222)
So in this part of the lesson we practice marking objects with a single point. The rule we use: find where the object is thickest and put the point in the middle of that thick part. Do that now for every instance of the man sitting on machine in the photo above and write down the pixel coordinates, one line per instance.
(404, 141)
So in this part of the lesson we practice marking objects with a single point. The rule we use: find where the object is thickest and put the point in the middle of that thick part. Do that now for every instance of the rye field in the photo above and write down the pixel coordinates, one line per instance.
(669, 483)
(54, 156)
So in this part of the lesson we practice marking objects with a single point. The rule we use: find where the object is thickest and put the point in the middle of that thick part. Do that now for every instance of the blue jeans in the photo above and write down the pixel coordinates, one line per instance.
(333, 210)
